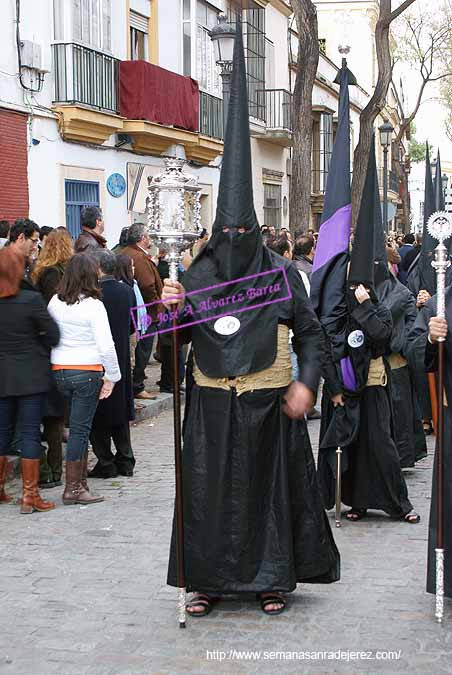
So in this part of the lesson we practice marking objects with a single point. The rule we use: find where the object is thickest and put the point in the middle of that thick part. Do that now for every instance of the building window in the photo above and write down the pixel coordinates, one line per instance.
(253, 22)
(139, 36)
(326, 147)
(186, 37)
(207, 72)
(78, 194)
(92, 23)
(272, 205)
(58, 20)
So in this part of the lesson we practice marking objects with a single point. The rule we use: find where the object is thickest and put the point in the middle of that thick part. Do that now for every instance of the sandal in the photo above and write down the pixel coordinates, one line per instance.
(200, 600)
(428, 428)
(272, 599)
(412, 517)
(356, 514)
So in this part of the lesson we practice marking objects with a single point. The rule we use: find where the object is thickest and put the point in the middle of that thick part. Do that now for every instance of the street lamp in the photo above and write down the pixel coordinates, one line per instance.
(386, 130)
(445, 182)
(223, 37)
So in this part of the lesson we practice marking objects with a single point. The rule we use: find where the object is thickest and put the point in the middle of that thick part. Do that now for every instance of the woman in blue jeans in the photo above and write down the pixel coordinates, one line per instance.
(26, 335)
(85, 364)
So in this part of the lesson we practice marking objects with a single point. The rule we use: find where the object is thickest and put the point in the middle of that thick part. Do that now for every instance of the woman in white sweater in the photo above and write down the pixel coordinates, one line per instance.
(84, 363)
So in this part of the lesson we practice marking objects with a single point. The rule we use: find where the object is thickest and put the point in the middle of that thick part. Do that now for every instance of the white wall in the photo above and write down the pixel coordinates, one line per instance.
(47, 185)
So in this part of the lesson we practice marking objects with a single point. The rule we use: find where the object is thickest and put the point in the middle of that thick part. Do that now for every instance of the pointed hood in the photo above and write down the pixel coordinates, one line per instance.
(237, 253)
(328, 277)
(363, 252)
(235, 205)
(380, 237)
(427, 275)
(440, 204)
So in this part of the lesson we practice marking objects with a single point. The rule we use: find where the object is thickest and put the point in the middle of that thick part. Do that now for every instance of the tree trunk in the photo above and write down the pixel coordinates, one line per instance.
(404, 194)
(377, 102)
(308, 59)
(373, 108)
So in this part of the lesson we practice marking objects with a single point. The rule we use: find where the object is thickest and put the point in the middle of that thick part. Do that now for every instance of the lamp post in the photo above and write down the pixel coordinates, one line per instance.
(174, 223)
(386, 130)
(445, 182)
(223, 36)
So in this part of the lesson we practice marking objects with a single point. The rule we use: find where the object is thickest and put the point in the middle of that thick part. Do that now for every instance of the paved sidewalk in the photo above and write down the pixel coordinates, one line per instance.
(82, 590)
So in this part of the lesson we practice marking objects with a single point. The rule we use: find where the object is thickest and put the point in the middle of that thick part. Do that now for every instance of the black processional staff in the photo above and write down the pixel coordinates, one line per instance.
(174, 209)
(440, 228)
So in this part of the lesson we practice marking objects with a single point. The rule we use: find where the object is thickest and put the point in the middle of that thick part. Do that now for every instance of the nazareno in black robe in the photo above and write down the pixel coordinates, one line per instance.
(423, 356)
(408, 431)
(254, 520)
(371, 473)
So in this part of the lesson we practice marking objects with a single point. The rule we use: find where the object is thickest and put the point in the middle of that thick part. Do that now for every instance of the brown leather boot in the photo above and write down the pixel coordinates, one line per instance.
(31, 499)
(4, 498)
(74, 492)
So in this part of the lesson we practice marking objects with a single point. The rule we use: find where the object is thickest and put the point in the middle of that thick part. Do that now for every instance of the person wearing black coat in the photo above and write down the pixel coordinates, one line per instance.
(111, 421)
(28, 333)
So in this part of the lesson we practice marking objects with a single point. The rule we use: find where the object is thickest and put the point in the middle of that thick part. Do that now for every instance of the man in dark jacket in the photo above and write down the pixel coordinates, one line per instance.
(90, 238)
(111, 421)
(303, 254)
(24, 237)
(148, 279)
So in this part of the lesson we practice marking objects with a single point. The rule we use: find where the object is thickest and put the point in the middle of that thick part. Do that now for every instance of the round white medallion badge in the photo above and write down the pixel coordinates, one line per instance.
(227, 325)
(356, 339)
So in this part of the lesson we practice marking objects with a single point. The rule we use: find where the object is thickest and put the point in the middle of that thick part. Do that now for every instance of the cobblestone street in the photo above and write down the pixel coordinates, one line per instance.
(82, 590)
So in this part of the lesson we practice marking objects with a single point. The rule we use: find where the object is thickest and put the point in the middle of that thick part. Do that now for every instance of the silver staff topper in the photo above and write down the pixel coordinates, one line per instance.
(440, 227)
(174, 211)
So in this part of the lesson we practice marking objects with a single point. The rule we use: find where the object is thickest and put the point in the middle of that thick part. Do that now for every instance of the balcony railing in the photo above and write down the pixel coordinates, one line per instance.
(278, 109)
(210, 115)
(86, 76)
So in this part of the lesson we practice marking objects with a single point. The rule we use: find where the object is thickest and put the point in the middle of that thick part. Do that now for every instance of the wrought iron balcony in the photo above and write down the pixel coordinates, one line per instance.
(277, 115)
(86, 76)
(210, 115)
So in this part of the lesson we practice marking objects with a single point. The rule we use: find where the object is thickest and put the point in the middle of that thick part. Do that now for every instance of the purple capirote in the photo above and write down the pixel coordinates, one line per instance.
(348, 374)
(334, 237)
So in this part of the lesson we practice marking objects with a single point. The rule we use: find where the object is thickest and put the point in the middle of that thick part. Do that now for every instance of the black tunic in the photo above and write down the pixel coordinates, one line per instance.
(423, 355)
(371, 472)
(253, 514)
(118, 409)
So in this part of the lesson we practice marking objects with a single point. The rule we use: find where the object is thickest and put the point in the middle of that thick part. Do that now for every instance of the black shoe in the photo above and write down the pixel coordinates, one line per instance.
(106, 472)
(48, 484)
(126, 472)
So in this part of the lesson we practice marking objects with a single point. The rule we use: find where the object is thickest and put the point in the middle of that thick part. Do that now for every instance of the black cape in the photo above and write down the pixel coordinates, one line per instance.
(118, 409)
(371, 473)
(253, 514)
(423, 356)
(408, 431)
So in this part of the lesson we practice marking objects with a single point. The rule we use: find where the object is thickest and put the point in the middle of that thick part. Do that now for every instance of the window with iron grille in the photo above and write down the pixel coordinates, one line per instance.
(326, 147)
(253, 23)
(272, 205)
(79, 193)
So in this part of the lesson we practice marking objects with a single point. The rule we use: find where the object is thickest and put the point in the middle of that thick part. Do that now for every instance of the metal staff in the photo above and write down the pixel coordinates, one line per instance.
(338, 485)
(173, 208)
(440, 228)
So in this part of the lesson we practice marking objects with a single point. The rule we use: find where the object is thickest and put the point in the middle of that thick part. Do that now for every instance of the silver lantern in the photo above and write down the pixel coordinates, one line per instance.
(174, 211)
